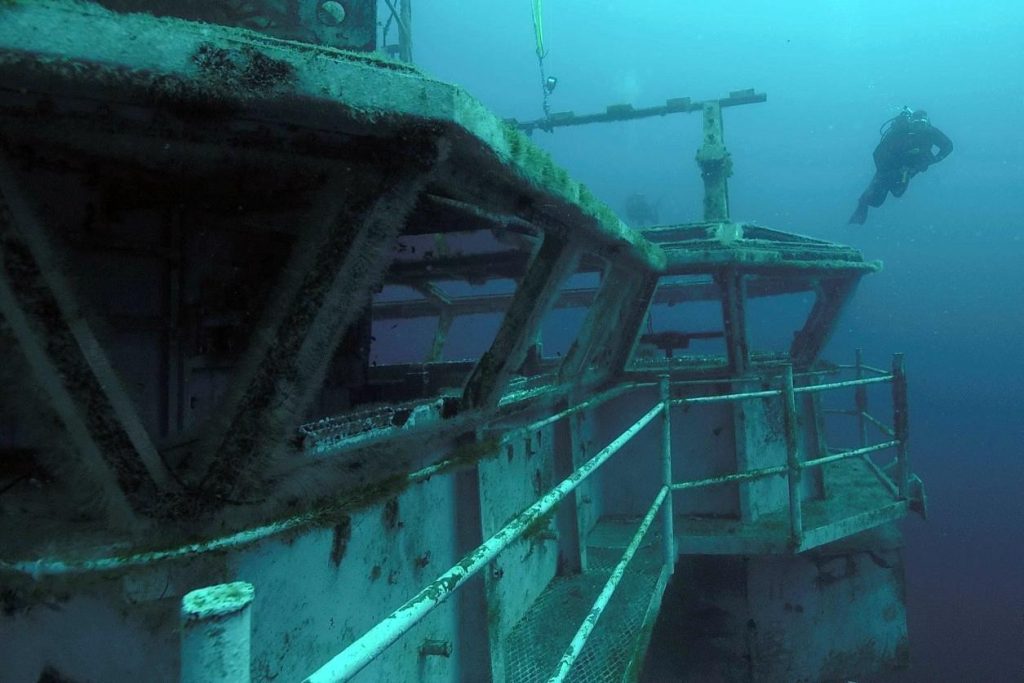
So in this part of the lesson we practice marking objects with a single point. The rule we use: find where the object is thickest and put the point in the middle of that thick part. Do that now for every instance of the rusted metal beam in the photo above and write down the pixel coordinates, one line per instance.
(69, 364)
(627, 112)
(323, 290)
(437, 214)
(794, 477)
(618, 347)
(474, 268)
(901, 425)
(509, 264)
(613, 303)
(715, 165)
(734, 317)
(832, 296)
(667, 294)
(553, 262)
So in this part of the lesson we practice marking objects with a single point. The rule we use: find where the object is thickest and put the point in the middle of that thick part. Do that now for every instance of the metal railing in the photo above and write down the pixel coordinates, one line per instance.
(360, 653)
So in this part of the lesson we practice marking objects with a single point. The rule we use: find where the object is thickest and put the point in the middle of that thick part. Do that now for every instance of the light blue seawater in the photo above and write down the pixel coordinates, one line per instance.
(951, 295)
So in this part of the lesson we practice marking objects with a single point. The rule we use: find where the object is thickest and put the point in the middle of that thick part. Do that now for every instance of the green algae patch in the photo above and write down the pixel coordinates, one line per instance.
(470, 453)
(538, 527)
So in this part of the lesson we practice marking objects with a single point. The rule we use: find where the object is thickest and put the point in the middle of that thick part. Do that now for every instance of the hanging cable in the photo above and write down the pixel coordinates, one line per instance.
(547, 83)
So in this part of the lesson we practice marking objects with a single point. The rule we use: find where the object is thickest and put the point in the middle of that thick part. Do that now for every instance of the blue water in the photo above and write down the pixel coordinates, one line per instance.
(951, 295)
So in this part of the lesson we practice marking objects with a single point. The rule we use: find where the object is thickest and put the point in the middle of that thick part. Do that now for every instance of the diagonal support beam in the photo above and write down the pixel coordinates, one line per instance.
(327, 283)
(618, 348)
(445, 318)
(612, 307)
(68, 363)
(553, 262)
(832, 297)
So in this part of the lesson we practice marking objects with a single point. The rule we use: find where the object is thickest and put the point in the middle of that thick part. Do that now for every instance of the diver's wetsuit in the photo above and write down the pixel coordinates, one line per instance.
(905, 151)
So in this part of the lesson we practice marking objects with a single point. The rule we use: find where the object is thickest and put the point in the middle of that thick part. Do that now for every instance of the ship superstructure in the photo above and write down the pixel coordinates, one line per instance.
(279, 403)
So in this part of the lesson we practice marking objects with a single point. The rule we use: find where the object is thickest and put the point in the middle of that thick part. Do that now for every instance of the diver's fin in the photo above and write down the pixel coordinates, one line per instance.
(860, 214)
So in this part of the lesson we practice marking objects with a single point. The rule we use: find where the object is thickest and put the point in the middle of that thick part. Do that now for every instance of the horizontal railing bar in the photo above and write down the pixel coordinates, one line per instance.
(843, 455)
(743, 380)
(731, 478)
(58, 567)
(585, 405)
(840, 411)
(588, 625)
(447, 464)
(885, 429)
(726, 397)
(869, 368)
(360, 653)
(842, 385)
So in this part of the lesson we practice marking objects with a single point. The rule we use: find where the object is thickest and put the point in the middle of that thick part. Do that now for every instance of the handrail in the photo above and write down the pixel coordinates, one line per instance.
(723, 398)
(583, 633)
(853, 453)
(749, 475)
(770, 393)
(842, 385)
(360, 653)
(884, 428)
(869, 368)
(589, 403)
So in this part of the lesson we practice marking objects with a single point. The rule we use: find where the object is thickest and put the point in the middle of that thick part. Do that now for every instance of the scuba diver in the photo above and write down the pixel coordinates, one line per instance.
(640, 212)
(904, 151)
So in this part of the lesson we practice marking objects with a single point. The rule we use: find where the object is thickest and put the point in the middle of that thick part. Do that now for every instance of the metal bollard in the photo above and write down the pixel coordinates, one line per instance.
(215, 628)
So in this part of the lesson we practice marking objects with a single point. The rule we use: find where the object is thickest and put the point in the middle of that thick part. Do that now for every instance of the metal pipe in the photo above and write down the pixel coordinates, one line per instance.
(668, 531)
(869, 368)
(593, 402)
(842, 385)
(860, 400)
(360, 653)
(580, 639)
(58, 567)
(901, 424)
(726, 397)
(884, 428)
(793, 475)
(776, 392)
(731, 478)
(216, 623)
(742, 380)
(843, 455)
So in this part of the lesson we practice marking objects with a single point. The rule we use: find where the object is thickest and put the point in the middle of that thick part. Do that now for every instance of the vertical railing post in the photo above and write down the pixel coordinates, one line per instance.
(796, 524)
(901, 424)
(668, 525)
(860, 400)
(215, 626)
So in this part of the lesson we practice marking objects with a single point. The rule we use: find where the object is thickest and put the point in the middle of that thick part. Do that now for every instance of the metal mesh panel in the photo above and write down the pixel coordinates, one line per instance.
(534, 646)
